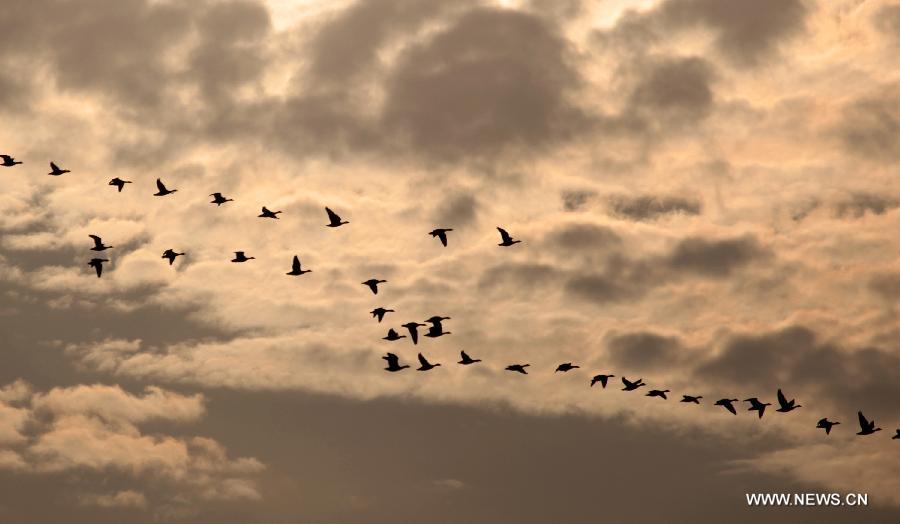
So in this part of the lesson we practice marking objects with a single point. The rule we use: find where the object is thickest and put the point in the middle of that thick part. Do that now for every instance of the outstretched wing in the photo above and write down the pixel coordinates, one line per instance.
(730, 408)
(863, 423)
(54, 167)
(332, 216)
(97, 241)
(296, 264)
(504, 235)
(781, 400)
(6, 158)
(160, 186)
(392, 359)
(423, 361)
(464, 356)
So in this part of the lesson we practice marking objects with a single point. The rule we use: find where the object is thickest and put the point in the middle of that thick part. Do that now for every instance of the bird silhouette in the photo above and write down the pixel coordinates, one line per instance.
(565, 367)
(602, 379)
(658, 393)
(727, 404)
(97, 264)
(8, 161)
(518, 367)
(466, 359)
(333, 219)
(373, 284)
(393, 363)
(163, 191)
(171, 255)
(119, 183)
(784, 405)
(413, 328)
(240, 257)
(218, 199)
(296, 270)
(505, 238)
(866, 427)
(756, 405)
(436, 320)
(896, 436)
(269, 214)
(631, 386)
(689, 398)
(393, 335)
(440, 233)
(56, 171)
(826, 425)
(436, 330)
(98, 244)
(380, 312)
(425, 365)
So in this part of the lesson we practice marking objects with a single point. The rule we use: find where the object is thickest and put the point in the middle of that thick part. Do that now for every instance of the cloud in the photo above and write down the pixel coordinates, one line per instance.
(870, 125)
(643, 350)
(119, 499)
(650, 207)
(715, 258)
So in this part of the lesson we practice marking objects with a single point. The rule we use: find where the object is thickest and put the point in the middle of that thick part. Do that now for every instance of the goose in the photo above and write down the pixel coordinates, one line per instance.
(97, 264)
(520, 368)
(440, 233)
(602, 379)
(785, 406)
(239, 256)
(98, 244)
(171, 255)
(689, 398)
(218, 199)
(826, 425)
(119, 183)
(380, 312)
(727, 404)
(756, 405)
(466, 359)
(393, 363)
(373, 284)
(266, 213)
(163, 191)
(866, 427)
(8, 161)
(333, 219)
(565, 367)
(413, 328)
(506, 239)
(658, 393)
(56, 171)
(425, 365)
(296, 270)
(393, 335)
(631, 386)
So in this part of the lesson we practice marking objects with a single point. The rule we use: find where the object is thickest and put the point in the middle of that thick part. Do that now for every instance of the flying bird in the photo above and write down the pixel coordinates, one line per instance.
(866, 427)
(727, 404)
(436, 330)
(413, 328)
(436, 320)
(296, 270)
(506, 239)
(658, 393)
(98, 244)
(269, 214)
(393, 363)
(333, 219)
(393, 335)
(689, 398)
(8, 161)
(218, 199)
(425, 365)
(565, 367)
(466, 359)
(601, 379)
(162, 189)
(119, 183)
(171, 255)
(756, 405)
(826, 425)
(631, 386)
(380, 312)
(97, 264)
(56, 171)
(373, 284)
(518, 367)
(440, 233)
(240, 257)
(786, 406)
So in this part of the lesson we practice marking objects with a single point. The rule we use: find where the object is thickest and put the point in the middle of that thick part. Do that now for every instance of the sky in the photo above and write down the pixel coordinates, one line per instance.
(704, 191)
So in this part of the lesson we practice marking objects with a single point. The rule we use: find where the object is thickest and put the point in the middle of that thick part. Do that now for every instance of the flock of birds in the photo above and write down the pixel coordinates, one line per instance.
(435, 323)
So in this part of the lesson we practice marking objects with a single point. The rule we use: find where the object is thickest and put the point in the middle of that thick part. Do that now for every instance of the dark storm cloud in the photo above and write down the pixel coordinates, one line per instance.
(715, 258)
(856, 205)
(575, 200)
(887, 19)
(584, 237)
(650, 207)
(870, 127)
(885, 285)
(459, 210)
(643, 349)
(674, 90)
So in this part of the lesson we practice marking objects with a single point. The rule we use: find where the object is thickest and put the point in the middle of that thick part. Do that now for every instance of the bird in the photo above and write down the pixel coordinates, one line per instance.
(786, 406)
(866, 427)
(897, 436)
(97, 264)
(119, 183)
(518, 367)
(240, 257)
(726, 403)
(56, 171)
(393, 335)
(440, 233)
(8, 161)
(658, 393)
(466, 359)
(373, 284)
(393, 363)
(171, 255)
(436, 330)
(296, 271)
(98, 244)
(218, 199)
(380, 312)
(269, 214)
(506, 239)
(436, 320)
(601, 379)
(413, 328)
(756, 405)
(425, 365)
(689, 398)
(163, 191)
(566, 366)
(333, 219)
(826, 425)
(631, 386)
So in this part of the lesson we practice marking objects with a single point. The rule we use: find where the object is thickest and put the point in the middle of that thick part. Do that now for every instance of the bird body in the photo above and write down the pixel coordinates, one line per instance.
(218, 199)
(440, 233)
(380, 312)
(631, 386)
(756, 405)
(826, 425)
(393, 335)
(520, 368)
(56, 171)
(239, 256)
(393, 363)
(866, 427)
(373, 284)
(97, 264)
(162, 190)
(119, 183)
(266, 213)
(436, 329)
(466, 359)
(171, 255)
(98, 244)
(334, 220)
(658, 393)
(413, 328)
(296, 270)
(506, 240)
(425, 365)
(727, 404)
(8, 161)
(565, 367)
(785, 406)
(602, 379)
(689, 398)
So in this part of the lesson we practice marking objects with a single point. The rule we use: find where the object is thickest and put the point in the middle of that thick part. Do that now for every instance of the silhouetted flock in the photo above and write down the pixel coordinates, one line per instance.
(435, 323)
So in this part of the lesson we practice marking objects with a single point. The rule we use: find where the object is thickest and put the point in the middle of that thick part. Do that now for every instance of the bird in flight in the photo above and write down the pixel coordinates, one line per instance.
(8, 161)
(689, 398)
(98, 244)
(506, 240)
(56, 171)
(601, 379)
(413, 328)
(756, 405)
(658, 393)
(269, 214)
(393, 335)
(380, 312)
(425, 365)
(866, 427)
(631, 386)
(240, 257)
(373, 284)
(296, 270)
(162, 189)
(218, 199)
(171, 255)
(518, 367)
(436, 330)
(440, 233)
(393, 362)
(466, 359)
(333, 219)
(565, 367)
(119, 183)
(97, 264)
(784, 405)
(826, 425)
(727, 404)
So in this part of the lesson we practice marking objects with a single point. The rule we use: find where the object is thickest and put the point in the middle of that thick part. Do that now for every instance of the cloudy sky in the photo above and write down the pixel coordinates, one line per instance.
(706, 195)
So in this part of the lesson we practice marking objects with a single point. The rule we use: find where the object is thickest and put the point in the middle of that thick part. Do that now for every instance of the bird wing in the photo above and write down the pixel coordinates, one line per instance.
(54, 167)
(781, 400)
(463, 355)
(296, 264)
(98, 267)
(443, 236)
(392, 359)
(332, 216)
(422, 360)
(160, 186)
(863, 423)
(730, 408)
(97, 240)
(504, 235)
(6, 158)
